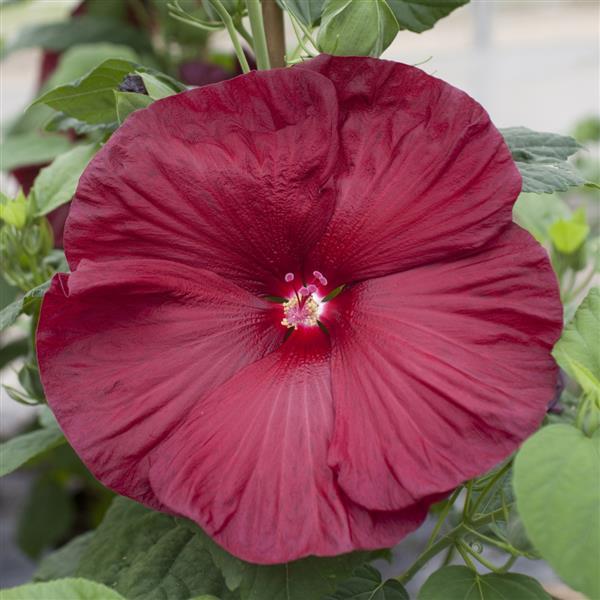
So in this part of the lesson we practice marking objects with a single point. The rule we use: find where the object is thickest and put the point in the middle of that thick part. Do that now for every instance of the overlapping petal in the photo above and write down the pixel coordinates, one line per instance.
(439, 372)
(234, 178)
(249, 463)
(127, 349)
(422, 171)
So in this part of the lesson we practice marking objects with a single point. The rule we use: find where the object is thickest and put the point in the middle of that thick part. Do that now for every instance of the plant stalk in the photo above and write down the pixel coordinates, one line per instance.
(258, 34)
(273, 19)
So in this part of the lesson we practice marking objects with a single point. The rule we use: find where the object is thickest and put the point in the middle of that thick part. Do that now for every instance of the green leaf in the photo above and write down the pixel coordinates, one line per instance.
(569, 235)
(61, 589)
(578, 348)
(14, 212)
(81, 30)
(420, 15)
(21, 449)
(307, 579)
(46, 518)
(91, 98)
(537, 212)
(356, 28)
(10, 313)
(542, 159)
(307, 11)
(462, 583)
(75, 62)
(64, 561)
(557, 485)
(33, 148)
(56, 183)
(157, 88)
(366, 584)
(128, 102)
(148, 555)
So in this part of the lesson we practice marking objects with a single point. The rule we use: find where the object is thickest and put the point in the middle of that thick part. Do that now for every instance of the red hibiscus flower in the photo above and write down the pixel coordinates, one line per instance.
(307, 427)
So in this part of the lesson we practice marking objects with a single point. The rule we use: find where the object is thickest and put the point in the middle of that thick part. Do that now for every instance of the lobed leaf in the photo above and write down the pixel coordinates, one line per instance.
(542, 159)
(449, 583)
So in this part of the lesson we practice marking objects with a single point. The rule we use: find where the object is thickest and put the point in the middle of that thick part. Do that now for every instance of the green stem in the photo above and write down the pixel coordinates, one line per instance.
(258, 33)
(244, 32)
(492, 541)
(425, 557)
(466, 509)
(228, 22)
(486, 563)
(460, 546)
(489, 486)
(443, 516)
(581, 287)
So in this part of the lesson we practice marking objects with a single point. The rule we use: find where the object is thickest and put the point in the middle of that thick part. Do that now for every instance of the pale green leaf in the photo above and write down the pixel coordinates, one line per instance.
(537, 212)
(128, 102)
(579, 343)
(14, 212)
(157, 88)
(462, 583)
(356, 28)
(61, 589)
(557, 486)
(56, 183)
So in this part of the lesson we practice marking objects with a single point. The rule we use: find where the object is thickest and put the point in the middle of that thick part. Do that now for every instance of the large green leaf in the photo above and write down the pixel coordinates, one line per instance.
(542, 159)
(462, 583)
(91, 98)
(308, 11)
(56, 183)
(21, 449)
(82, 30)
(32, 148)
(366, 584)
(148, 555)
(578, 350)
(420, 15)
(351, 28)
(557, 486)
(61, 589)
(64, 561)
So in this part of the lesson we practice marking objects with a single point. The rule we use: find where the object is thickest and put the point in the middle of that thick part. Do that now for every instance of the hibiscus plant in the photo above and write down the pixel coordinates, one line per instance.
(306, 302)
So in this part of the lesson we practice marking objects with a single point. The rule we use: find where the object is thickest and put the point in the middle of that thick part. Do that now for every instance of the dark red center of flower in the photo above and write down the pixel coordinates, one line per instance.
(303, 306)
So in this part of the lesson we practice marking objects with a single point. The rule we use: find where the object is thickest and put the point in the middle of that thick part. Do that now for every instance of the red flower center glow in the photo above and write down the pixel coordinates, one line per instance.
(284, 429)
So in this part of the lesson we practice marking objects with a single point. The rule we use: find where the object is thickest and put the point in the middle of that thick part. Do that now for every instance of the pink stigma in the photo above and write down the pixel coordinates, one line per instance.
(289, 277)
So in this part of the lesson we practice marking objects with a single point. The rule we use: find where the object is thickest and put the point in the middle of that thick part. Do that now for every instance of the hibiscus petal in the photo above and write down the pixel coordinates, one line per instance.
(249, 464)
(126, 348)
(422, 171)
(232, 178)
(439, 372)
